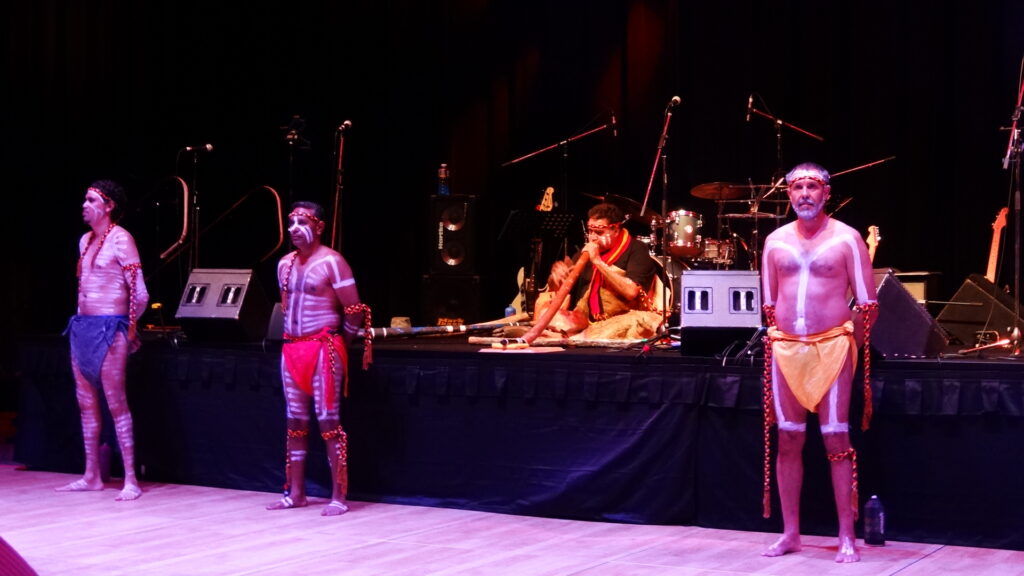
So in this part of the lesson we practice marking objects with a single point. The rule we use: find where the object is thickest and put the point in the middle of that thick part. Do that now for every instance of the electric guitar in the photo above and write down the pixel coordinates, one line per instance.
(993, 252)
(873, 239)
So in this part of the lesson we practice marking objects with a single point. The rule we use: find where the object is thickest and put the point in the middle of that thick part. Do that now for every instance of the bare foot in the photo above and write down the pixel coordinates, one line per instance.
(81, 485)
(784, 545)
(129, 492)
(287, 502)
(847, 551)
(335, 508)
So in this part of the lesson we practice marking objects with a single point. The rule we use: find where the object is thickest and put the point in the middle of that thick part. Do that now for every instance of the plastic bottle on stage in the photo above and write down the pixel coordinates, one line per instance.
(443, 188)
(874, 522)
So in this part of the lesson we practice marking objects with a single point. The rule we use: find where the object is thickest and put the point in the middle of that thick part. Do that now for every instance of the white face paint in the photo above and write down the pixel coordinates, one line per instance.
(602, 232)
(93, 208)
(301, 228)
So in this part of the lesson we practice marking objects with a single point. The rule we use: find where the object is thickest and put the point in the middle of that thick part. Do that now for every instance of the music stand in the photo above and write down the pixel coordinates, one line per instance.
(538, 226)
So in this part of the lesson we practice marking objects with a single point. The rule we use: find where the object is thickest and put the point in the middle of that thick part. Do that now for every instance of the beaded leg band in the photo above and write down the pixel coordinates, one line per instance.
(851, 455)
(288, 458)
(341, 457)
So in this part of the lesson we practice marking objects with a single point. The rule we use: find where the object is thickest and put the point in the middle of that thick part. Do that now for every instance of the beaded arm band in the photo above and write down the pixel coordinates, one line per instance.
(767, 402)
(133, 290)
(367, 331)
(866, 310)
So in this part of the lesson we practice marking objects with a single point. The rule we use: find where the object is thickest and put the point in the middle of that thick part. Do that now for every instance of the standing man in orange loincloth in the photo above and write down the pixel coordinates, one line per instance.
(810, 266)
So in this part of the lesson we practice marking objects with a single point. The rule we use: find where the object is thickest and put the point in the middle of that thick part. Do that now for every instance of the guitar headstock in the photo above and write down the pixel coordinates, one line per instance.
(874, 236)
(873, 239)
(1000, 221)
(547, 201)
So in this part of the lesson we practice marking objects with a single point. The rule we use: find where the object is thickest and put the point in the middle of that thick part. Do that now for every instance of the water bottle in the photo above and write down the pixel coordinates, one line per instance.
(874, 522)
(442, 181)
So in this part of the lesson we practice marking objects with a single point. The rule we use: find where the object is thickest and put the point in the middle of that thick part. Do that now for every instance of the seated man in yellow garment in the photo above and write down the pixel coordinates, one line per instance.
(615, 293)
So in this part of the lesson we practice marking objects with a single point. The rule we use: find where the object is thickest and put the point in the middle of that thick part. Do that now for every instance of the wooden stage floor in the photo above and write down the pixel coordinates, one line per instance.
(178, 529)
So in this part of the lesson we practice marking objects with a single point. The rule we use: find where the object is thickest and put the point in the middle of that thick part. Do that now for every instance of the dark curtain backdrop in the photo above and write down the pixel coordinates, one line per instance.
(103, 89)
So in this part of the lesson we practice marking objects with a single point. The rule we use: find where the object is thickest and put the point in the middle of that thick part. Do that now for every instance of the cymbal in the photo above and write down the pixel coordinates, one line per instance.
(751, 201)
(753, 215)
(718, 191)
(630, 208)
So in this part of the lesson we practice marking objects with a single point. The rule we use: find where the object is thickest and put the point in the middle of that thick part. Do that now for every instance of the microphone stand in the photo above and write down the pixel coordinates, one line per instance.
(564, 144)
(338, 187)
(1012, 160)
(661, 158)
(779, 123)
(194, 252)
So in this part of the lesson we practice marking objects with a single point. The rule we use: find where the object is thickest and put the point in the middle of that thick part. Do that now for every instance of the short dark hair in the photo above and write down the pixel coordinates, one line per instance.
(608, 211)
(317, 209)
(115, 192)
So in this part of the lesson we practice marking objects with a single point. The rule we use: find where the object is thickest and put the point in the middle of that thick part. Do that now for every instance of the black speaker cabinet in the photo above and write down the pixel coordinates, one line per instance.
(904, 328)
(223, 305)
(979, 306)
(450, 300)
(453, 238)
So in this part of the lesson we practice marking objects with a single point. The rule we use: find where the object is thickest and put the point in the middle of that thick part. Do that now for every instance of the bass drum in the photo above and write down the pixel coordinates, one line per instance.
(683, 230)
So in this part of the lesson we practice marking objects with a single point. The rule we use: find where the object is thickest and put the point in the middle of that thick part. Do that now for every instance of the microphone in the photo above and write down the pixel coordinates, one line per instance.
(750, 105)
(201, 148)
(615, 129)
(674, 102)
(345, 126)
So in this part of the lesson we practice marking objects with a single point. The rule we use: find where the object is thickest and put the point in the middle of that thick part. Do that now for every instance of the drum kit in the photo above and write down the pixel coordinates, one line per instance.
(680, 241)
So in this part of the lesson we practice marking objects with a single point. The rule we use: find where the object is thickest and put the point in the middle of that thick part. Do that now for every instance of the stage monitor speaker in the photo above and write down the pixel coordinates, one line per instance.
(904, 328)
(979, 306)
(275, 328)
(223, 305)
(453, 224)
(450, 300)
(720, 299)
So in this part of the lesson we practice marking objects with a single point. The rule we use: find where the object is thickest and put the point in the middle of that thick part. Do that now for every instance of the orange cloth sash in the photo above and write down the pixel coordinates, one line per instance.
(300, 355)
(610, 256)
(812, 363)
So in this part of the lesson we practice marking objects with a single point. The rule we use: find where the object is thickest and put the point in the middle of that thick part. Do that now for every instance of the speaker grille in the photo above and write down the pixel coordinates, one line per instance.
(453, 225)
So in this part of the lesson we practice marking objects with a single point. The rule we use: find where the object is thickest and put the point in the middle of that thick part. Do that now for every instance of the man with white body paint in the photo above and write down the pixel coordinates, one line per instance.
(810, 266)
(111, 296)
(318, 297)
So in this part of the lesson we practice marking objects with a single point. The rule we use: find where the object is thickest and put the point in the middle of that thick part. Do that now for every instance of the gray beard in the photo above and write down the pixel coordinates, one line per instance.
(808, 213)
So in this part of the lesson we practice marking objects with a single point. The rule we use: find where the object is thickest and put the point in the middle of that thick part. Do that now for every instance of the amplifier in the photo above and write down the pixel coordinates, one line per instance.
(223, 305)
(720, 299)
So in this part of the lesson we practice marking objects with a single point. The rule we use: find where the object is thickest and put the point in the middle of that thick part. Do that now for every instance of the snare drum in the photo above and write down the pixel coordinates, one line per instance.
(683, 230)
(718, 251)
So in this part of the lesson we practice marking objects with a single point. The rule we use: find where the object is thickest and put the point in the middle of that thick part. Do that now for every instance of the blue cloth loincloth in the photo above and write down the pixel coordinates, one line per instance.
(91, 337)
